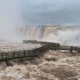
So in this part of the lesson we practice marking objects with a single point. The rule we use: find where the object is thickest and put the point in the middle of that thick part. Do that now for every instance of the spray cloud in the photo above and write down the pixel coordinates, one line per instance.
(10, 18)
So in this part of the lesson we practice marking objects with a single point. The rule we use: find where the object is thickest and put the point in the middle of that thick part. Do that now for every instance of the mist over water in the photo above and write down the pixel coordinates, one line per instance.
(11, 21)
(10, 18)
(63, 35)
(32, 32)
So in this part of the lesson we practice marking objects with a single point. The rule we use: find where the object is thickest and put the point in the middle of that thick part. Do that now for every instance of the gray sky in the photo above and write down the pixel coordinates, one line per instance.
(50, 11)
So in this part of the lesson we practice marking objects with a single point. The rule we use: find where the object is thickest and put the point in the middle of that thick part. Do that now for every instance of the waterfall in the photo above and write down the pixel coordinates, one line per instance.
(63, 35)
(33, 32)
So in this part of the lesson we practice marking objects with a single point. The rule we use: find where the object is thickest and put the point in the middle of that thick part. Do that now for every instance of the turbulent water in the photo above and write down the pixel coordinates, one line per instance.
(54, 65)
(66, 35)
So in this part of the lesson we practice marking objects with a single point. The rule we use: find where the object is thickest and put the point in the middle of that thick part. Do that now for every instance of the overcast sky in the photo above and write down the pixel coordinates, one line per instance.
(51, 11)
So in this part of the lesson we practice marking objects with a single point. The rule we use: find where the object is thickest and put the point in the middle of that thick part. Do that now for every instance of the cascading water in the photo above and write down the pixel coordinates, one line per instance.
(62, 35)
(33, 33)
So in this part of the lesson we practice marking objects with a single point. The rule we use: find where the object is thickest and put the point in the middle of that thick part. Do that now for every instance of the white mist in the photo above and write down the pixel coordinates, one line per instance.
(10, 18)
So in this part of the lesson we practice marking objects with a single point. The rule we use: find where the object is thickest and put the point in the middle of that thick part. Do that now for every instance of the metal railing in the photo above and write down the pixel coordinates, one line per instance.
(36, 52)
